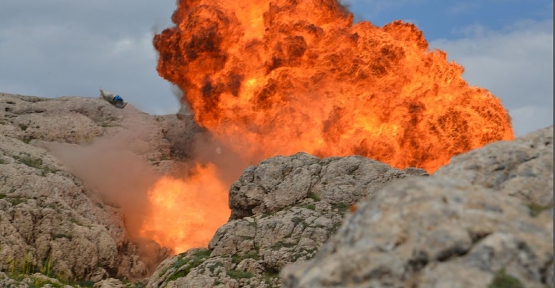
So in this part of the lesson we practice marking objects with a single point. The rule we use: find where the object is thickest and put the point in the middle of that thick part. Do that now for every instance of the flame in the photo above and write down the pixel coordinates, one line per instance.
(186, 213)
(276, 77)
(283, 76)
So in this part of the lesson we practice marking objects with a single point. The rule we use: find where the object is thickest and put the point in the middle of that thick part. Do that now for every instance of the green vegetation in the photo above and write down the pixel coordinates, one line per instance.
(309, 206)
(238, 258)
(281, 244)
(503, 280)
(313, 196)
(48, 169)
(2, 161)
(37, 282)
(36, 163)
(27, 139)
(16, 200)
(184, 265)
(536, 209)
(213, 267)
(236, 274)
(22, 268)
(2, 196)
(341, 207)
(269, 278)
(23, 127)
(31, 162)
(179, 274)
(61, 235)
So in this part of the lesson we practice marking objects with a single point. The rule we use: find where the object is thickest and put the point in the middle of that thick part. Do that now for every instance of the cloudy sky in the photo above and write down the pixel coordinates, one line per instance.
(66, 47)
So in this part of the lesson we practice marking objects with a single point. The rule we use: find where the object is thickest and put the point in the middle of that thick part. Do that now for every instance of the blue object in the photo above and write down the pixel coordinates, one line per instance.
(117, 98)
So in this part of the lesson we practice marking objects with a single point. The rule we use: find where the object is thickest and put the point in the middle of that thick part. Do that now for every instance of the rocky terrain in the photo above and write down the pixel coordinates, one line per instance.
(51, 221)
(283, 211)
(484, 220)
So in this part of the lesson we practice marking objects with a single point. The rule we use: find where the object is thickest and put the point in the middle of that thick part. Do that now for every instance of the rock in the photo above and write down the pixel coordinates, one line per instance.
(280, 182)
(180, 134)
(34, 280)
(52, 221)
(79, 120)
(522, 168)
(109, 283)
(284, 209)
(464, 226)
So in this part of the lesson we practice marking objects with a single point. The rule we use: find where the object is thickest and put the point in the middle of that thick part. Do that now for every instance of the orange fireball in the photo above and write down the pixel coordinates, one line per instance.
(272, 77)
(186, 213)
(283, 76)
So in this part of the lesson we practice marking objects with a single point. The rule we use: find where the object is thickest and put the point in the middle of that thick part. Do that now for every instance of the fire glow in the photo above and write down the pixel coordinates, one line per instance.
(186, 213)
(276, 77)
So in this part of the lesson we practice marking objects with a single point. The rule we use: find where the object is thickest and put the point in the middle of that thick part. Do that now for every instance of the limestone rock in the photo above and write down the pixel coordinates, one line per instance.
(81, 119)
(284, 210)
(50, 220)
(280, 182)
(522, 168)
(109, 283)
(468, 225)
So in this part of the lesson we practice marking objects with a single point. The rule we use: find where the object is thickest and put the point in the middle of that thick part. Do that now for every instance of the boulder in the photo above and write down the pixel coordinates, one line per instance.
(281, 181)
(482, 220)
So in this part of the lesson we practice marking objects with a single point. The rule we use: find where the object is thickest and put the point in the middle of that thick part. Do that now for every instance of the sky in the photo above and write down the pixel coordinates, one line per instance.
(72, 48)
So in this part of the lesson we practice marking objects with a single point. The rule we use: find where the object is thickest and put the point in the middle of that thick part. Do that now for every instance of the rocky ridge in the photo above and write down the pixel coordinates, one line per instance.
(283, 211)
(484, 220)
(51, 221)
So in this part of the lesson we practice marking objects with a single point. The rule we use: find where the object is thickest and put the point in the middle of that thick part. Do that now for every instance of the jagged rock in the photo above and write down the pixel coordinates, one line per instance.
(468, 225)
(50, 220)
(522, 168)
(47, 218)
(34, 280)
(284, 210)
(109, 283)
(81, 119)
(280, 182)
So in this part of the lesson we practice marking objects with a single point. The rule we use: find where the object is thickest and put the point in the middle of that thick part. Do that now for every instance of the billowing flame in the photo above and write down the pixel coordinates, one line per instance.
(186, 213)
(276, 77)
(283, 76)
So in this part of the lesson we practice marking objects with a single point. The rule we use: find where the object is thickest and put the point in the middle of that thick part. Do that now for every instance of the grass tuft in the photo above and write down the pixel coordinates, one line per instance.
(503, 280)
(236, 274)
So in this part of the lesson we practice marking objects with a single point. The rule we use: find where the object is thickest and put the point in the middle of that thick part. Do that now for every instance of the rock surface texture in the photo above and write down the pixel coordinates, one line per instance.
(484, 220)
(50, 221)
(283, 211)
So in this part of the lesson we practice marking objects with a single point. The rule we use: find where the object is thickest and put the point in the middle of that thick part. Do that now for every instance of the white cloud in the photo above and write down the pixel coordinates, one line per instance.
(515, 64)
(63, 48)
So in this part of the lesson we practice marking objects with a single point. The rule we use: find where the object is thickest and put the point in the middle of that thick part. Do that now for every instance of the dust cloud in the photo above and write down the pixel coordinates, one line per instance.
(120, 177)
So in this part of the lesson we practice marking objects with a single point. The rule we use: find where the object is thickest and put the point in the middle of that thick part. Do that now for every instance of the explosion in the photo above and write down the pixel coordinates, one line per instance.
(185, 213)
(273, 77)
